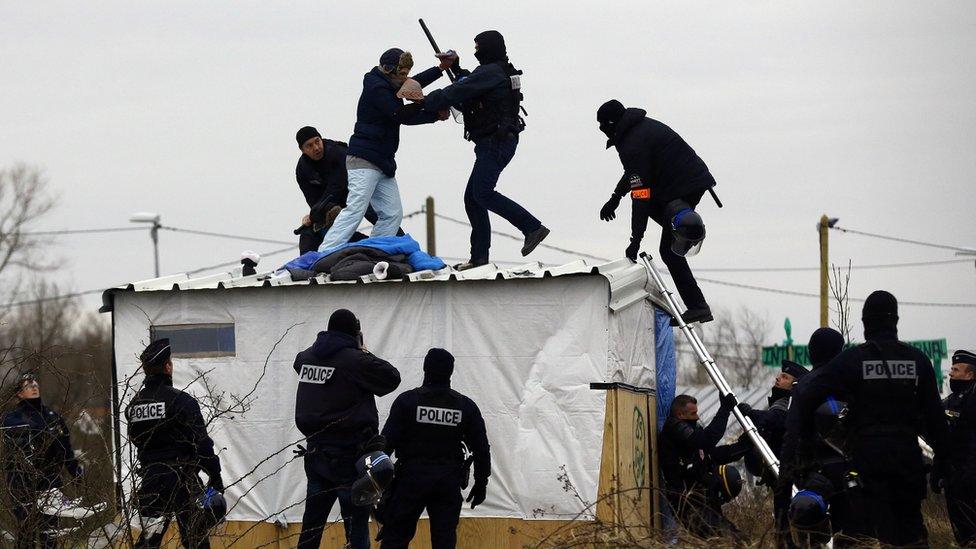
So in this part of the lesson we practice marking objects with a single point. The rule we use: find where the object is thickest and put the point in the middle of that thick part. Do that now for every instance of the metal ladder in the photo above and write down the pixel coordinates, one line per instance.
(708, 363)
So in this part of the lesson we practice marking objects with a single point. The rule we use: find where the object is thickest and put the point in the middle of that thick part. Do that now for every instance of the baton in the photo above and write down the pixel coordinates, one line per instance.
(715, 197)
(433, 44)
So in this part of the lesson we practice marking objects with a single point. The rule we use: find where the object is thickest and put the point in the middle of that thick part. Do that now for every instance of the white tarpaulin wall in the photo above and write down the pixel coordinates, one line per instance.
(526, 352)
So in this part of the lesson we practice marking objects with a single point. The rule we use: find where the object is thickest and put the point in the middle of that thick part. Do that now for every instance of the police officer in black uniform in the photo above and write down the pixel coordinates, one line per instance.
(958, 473)
(891, 393)
(771, 424)
(167, 428)
(322, 177)
(335, 408)
(689, 456)
(490, 97)
(428, 429)
(666, 179)
(36, 449)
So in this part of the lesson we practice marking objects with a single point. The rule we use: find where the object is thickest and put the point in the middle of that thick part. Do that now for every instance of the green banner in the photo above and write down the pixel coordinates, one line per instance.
(935, 349)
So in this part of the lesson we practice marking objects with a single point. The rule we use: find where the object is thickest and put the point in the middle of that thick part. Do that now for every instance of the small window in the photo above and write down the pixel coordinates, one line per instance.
(197, 340)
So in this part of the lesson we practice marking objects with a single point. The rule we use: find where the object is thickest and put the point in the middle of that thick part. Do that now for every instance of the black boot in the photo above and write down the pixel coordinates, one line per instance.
(698, 314)
(470, 264)
(533, 239)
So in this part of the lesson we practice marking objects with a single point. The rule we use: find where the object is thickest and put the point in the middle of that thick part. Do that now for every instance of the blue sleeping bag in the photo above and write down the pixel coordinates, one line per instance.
(393, 245)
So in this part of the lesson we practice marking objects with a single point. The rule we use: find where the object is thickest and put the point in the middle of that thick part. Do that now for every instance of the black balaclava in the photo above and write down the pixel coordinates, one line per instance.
(438, 366)
(608, 115)
(825, 344)
(305, 134)
(343, 321)
(777, 393)
(880, 315)
(491, 48)
(962, 357)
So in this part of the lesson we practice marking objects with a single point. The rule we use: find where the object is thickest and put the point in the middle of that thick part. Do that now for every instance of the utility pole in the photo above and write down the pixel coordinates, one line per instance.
(154, 219)
(824, 273)
(431, 238)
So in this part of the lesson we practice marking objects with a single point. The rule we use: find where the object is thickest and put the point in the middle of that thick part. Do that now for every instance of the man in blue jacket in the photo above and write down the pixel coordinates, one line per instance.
(335, 408)
(370, 159)
(490, 98)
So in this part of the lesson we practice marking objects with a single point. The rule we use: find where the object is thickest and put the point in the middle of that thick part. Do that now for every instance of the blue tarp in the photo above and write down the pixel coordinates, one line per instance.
(393, 245)
(665, 364)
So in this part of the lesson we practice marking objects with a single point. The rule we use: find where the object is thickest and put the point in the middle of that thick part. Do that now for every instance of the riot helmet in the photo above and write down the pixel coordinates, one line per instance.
(376, 473)
(829, 421)
(214, 507)
(729, 482)
(687, 228)
(809, 521)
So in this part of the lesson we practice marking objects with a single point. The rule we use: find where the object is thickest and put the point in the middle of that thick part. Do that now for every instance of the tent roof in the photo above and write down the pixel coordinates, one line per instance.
(628, 280)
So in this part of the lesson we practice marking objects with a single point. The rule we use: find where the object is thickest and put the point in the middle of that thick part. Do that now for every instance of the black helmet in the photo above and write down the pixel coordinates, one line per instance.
(214, 507)
(809, 521)
(829, 420)
(687, 228)
(729, 482)
(376, 474)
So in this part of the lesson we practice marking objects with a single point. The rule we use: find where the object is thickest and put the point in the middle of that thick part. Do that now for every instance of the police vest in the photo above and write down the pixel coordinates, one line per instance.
(496, 112)
(887, 393)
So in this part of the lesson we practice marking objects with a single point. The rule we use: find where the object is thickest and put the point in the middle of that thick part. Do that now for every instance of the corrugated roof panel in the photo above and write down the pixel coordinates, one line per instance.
(628, 280)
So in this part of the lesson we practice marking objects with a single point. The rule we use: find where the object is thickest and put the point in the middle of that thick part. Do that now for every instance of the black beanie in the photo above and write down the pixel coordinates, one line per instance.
(438, 364)
(342, 320)
(390, 59)
(610, 112)
(305, 134)
(825, 344)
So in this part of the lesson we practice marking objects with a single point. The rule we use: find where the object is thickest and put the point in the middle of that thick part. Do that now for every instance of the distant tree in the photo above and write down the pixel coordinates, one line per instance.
(734, 340)
(840, 283)
(24, 200)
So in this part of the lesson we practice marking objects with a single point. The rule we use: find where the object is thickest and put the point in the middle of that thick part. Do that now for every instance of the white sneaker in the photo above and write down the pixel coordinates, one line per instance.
(54, 503)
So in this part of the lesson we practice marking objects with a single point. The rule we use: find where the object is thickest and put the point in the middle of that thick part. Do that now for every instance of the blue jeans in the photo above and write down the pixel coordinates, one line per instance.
(366, 187)
(480, 197)
(329, 478)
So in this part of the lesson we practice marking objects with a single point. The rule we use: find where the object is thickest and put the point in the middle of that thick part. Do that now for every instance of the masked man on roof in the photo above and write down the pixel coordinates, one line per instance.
(666, 179)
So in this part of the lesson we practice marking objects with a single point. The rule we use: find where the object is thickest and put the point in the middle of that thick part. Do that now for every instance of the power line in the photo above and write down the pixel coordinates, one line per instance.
(904, 240)
(853, 267)
(84, 231)
(222, 235)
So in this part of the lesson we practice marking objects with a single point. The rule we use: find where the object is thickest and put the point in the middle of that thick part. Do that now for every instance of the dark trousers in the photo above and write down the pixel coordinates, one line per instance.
(35, 529)
(432, 488)
(896, 521)
(961, 504)
(480, 197)
(684, 279)
(847, 521)
(781, 519)
(167, 491)
(329, 479)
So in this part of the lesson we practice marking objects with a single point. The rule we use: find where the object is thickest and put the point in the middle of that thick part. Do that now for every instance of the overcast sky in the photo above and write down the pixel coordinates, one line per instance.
(865, 111)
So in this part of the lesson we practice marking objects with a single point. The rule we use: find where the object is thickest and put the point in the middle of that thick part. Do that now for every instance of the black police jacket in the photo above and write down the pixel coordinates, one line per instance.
(892, 399)
(166, 426)
(36, 447)
(335, 407)
(771, 424)
(689, 452)
(376, 135)
(487, 98)
(960, 455)
(324, 182)
(427, 425)
(802, 449)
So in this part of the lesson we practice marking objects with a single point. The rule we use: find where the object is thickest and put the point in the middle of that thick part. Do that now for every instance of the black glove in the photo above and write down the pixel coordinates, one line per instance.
(478, 492)
(726, 401)
(632, 250)
(300, 451)
(744, 408)
(608, 209)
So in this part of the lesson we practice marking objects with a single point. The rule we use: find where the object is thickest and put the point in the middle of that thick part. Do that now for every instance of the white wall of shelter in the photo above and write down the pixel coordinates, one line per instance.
(526, 352)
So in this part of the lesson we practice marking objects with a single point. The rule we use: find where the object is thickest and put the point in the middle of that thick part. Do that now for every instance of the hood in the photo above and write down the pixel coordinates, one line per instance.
(329, 343)
(631, 118)
(491, 47)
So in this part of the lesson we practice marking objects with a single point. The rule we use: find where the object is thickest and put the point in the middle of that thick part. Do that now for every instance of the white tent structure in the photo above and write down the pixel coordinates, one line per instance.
(528, 342)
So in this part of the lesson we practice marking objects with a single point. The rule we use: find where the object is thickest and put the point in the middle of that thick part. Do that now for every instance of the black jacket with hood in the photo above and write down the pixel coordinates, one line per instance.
(659, 157)
(335, 407)
(324, 182)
